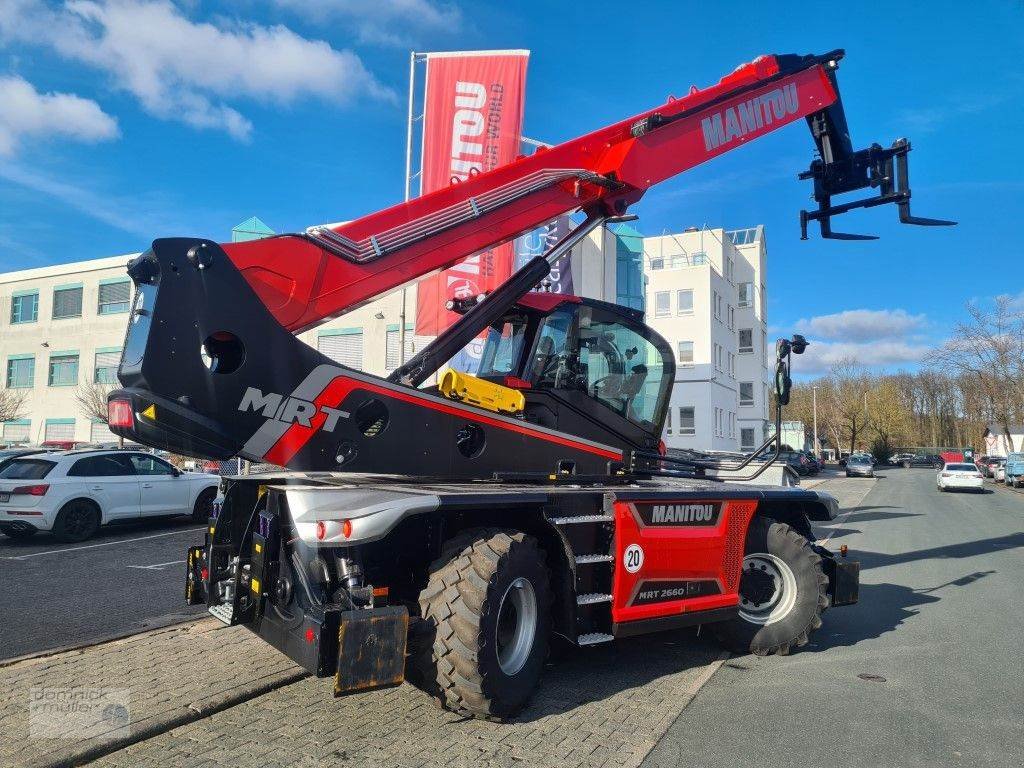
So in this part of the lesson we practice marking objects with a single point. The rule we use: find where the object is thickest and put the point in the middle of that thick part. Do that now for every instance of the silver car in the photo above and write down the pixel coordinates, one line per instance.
(859, 466)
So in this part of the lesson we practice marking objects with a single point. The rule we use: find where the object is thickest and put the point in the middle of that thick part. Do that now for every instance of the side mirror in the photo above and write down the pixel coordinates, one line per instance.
(175, 472)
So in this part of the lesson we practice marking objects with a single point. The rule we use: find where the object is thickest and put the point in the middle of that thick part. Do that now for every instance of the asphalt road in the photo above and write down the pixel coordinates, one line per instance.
(128, 578)
(927, 670)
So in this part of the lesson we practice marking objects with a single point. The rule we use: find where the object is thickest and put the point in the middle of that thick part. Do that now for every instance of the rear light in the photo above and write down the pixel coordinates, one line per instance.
(329, 529)
(31, 490)
(947, 474)
(119, 414)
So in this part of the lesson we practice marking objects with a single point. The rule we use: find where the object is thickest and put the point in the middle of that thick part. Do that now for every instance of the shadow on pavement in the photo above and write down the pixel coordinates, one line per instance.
(44, 540)
(870, 560)
(881, 609)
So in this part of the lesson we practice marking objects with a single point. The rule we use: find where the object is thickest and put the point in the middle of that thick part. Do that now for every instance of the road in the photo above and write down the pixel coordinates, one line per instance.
(128, 578)
(925, 671)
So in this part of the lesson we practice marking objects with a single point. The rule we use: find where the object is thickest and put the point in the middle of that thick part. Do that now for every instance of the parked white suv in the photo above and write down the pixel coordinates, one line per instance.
(73, 493)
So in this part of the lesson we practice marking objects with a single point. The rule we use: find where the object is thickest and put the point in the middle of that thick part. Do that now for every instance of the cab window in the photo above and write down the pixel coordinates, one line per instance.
(503, 347)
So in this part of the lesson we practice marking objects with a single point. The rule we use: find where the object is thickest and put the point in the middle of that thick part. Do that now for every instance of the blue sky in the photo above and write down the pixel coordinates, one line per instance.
(125, 121)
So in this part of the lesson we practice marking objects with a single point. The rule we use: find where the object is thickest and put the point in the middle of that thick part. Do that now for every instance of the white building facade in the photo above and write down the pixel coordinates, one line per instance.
(706, 295)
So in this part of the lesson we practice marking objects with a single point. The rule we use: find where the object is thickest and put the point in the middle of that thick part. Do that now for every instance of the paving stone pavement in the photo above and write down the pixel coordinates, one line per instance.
(171, 675)
(603, 706)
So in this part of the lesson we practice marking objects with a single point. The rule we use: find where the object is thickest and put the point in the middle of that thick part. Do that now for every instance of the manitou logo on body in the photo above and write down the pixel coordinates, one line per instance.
(290, 410)
(702, 513)
(727, 125)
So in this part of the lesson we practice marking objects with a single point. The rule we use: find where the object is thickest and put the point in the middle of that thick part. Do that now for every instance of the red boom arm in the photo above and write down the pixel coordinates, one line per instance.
(308, 278)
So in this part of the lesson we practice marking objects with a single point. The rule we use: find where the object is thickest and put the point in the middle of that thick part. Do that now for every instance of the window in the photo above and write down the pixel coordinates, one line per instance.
(21, 372)
(686, 352)
(746, 346)
(67, 302)
(684, 301)
(687, 423)
(764, 347)
(746, 294)
(503, 347)
(18, 431)
(25, 307)
(732, 365)
(106, 366)
(699, 258)
(764, 305)
(718, 357)
(657, 263)
(716, 304)
(662, 304)
(114, 297)
(344, 346)
(99, 433)
(63, 369)
(145, 464)
(27, 469)
(746, 393)
(731, 317)
(62, 430)
(668, 422)
(110, 465)
(747, 439)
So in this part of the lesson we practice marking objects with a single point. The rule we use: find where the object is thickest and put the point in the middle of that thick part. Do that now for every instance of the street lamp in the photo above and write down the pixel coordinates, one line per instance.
(814, 398)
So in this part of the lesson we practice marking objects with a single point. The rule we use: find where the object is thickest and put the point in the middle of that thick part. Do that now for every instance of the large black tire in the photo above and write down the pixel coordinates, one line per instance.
(77, 520)
(18, 533)
(774, 619)
(204, 505)
(454, 649)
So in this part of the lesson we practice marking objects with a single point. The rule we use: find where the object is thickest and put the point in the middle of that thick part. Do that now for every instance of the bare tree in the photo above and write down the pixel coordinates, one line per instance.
(12, 404)
(987, 349)
(92, 401)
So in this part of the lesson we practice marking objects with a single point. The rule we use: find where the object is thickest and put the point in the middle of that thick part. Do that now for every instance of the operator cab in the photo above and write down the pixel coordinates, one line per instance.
(585, 366)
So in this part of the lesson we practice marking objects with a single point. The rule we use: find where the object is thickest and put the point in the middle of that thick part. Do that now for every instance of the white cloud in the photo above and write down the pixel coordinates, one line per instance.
(383, 22)
(820, 356)
(26, 113)
(189, 71)
(860, 325)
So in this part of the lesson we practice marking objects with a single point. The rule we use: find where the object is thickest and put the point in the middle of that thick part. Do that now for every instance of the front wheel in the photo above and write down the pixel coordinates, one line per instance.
(483, 638)
(783, 592)
(203, 508)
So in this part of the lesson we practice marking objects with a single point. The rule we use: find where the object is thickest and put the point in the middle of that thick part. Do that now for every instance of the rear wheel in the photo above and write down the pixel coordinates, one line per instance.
(483, 637)
(783, 592)
(204, 505)
(77, 520)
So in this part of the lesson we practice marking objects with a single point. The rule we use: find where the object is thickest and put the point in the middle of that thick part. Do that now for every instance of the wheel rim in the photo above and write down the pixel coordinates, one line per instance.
(79, 520)
(767, 589)
(517, 625)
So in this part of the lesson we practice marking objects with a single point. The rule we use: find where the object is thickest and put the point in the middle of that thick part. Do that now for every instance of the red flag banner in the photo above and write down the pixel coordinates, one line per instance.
(472, 122)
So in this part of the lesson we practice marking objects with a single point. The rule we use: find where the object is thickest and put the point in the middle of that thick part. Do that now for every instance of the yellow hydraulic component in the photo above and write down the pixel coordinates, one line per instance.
(481, 393)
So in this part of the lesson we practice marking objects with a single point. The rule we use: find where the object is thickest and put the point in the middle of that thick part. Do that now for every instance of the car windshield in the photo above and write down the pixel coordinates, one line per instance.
(26, 469)
(961, 468)
(859, 460)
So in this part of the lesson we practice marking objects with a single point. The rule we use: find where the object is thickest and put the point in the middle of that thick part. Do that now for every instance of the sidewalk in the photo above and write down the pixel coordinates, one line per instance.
(163, 678)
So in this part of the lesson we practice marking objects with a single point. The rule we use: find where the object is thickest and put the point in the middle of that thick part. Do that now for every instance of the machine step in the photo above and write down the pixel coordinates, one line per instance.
(587, 559)
(593, 638)
(583, 519)
(593, 597)
(222, 612)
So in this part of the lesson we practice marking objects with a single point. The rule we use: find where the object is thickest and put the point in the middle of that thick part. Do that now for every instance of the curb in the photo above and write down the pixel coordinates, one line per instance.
(159, 624)
(193, 712)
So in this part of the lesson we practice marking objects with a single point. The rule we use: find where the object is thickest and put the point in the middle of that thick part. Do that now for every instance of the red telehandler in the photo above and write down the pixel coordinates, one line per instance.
(449, 534)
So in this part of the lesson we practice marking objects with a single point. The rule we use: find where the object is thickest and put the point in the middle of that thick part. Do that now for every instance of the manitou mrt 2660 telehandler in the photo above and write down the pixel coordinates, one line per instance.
(448, 534)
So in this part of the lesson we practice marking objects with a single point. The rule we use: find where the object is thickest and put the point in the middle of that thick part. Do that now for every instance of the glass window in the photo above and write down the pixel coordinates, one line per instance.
(686, 352)
(662, 304)
(746, 393)
(687, 422)
(551, 365)
(657, 263)
(145, 464)
(114, 297)
(102, 466)
(684, 302)
(67, 302)
(106, 367)
(25, 308)
(27, 469)
(21, 372)
(503, 347)
(668, 422)
(747, 439)
(746, 345)
(63, 370)
(746, 291)
(699, 258)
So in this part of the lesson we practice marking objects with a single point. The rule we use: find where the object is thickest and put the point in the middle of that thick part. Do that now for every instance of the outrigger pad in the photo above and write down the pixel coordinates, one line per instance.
(371, 649)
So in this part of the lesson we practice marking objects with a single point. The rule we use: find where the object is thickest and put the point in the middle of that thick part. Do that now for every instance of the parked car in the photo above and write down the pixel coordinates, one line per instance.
(988, 469)
(923, 460)
(813, 465)
(999, 473)
(73, 493)
(960, 476)
(898, 458)
(1014, 468)
(860, 466)
(794, 459)
(7, 455)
